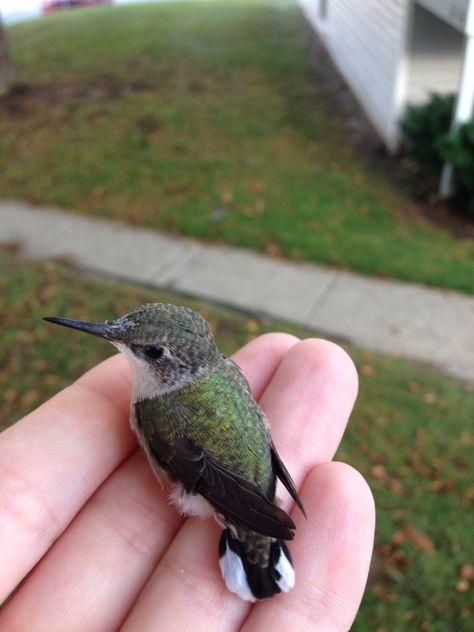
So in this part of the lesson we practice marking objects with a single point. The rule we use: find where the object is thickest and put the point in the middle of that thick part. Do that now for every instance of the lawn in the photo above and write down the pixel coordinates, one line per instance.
(411, 436)
(208, 119)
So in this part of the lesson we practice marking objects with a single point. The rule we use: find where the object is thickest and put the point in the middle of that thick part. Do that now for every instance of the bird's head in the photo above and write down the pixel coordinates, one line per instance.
(166, 345)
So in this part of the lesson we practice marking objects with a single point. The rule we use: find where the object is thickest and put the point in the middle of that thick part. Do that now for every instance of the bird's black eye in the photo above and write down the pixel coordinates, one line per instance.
(154, 352)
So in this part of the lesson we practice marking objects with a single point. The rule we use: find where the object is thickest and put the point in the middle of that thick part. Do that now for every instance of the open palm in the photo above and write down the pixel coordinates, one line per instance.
(89, 537)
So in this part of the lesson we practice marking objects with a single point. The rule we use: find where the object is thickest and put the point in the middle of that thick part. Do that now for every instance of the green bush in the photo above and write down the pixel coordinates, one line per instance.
(425, 128)
(430, 143)
(459, 149)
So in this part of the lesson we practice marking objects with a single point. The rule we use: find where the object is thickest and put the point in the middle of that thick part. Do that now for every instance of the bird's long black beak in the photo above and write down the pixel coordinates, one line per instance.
(103, 330)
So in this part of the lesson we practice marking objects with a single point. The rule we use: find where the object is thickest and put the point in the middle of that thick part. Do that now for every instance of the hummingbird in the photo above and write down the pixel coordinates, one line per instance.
(206, 439)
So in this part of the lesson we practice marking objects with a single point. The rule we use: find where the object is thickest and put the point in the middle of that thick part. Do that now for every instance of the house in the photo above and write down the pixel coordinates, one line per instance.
(393, 53)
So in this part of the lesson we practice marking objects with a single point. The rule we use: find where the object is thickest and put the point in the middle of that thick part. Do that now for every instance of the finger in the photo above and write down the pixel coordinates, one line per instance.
(54, 459)
(260, 361)
(187, 586)
(331, 554)
(308, 403)
(142, 520)
(105, 556)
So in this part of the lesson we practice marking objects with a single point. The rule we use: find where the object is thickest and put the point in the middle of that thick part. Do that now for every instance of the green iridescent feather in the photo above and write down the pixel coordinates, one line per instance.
(218, 414)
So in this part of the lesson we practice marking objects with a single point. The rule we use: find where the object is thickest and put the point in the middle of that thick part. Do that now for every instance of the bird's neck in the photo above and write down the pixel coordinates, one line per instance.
(147, 385)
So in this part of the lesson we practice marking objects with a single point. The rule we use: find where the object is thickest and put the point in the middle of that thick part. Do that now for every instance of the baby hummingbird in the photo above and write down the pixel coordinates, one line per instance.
(207, 439)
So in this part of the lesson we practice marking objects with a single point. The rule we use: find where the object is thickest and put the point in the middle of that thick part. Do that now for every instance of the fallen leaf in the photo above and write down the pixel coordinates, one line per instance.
(398, 537)
(466, 571)
(463, 585)
(66, 259)
(399, 514)
(227, 196)
(273, 248)
(30, 397)
(378, 471)
(422, 433)
(259, 205)
(252, 325)
(429, 398)
(397, 487)
(466, 438)
(436, 486)
(11, 247)
(419, 539)
(257, 185)
(378, 459)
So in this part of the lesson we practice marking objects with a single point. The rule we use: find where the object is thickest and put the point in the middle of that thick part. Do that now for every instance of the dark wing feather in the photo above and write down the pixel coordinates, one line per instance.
(284, 476)
(229, 494)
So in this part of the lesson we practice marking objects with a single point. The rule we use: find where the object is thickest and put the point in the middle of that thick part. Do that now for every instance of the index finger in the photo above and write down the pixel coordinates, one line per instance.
(54, 459)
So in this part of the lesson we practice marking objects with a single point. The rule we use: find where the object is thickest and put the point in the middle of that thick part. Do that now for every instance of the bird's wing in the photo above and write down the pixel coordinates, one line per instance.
(229, 494)
(285, 477)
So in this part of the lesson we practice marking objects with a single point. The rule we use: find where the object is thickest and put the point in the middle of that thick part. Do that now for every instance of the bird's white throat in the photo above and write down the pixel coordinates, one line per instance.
(145, 381)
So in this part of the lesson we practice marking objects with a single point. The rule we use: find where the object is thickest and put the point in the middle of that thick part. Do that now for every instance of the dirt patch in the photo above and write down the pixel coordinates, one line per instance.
(23, 97)
(427, 207)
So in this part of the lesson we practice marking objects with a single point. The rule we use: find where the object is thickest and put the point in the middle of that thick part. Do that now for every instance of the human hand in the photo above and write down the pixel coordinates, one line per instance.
(84, 524)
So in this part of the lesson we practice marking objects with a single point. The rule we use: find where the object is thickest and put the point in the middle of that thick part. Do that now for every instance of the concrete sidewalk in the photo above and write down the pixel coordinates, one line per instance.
(429, 325)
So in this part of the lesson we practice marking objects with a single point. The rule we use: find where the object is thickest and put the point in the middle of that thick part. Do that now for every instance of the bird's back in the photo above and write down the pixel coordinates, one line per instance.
(218, 414)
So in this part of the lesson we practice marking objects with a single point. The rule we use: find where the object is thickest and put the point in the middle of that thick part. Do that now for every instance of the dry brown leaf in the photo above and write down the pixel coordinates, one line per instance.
(30, 397)
(40, 364)
(398, 537)
(436, 486)
(273, 248)
(420, 540)
(378, 471)
(10, 394)
(466, 571)
(397, 487)
(227, 196)
(378, 459)
(466, 438)
(252, 325)
(260, 205)
(463, 585)
(257, 185)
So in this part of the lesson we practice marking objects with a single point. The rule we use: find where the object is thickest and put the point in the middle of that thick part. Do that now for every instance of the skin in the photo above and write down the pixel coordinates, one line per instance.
(86, 529)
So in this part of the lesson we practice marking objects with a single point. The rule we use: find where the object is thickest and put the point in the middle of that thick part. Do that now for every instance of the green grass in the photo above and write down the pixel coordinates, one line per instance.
(410, 435)
(208, 119)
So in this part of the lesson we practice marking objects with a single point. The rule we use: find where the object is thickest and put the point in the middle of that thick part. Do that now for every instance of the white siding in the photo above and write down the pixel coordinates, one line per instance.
(367, 40)
(436, 57)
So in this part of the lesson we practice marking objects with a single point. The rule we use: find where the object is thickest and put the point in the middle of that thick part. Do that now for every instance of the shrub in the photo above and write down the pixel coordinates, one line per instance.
(459, 149)
(430, 143)
(425, 128)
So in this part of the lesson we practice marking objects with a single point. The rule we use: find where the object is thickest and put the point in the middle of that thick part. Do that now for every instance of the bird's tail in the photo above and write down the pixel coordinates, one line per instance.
(255, 567)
